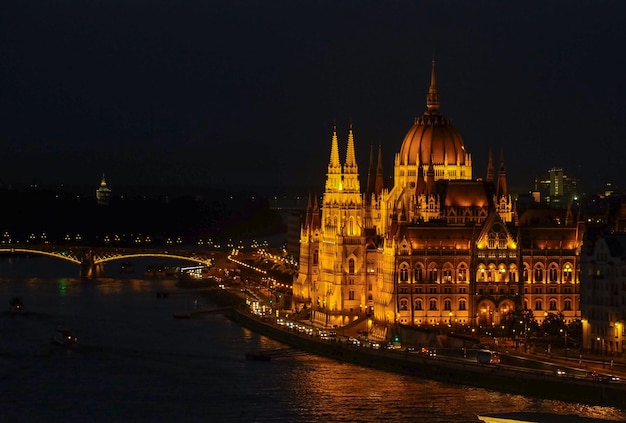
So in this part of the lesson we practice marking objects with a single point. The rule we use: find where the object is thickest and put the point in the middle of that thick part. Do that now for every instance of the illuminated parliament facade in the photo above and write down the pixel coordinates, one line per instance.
(437, 248)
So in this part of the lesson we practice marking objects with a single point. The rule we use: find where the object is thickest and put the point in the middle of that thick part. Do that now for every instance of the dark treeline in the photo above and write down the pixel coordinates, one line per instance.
(64, 217)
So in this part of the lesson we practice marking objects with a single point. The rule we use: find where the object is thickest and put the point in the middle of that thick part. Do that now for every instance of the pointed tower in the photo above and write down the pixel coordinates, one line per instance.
(501, 188)
(490, 173)
(380, 176)
(432, 99)
(333, 177)
(371, 175)
(350, 169)
(503, 202)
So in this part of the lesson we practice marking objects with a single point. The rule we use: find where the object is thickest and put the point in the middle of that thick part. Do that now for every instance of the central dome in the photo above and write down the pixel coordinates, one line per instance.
(432, 140)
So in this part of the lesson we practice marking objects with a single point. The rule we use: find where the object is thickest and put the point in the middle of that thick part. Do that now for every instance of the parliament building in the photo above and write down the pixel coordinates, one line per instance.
(439, 247)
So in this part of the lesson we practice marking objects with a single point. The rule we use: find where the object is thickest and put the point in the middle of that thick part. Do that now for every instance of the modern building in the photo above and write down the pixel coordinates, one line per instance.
(556, 188)
(438, 247)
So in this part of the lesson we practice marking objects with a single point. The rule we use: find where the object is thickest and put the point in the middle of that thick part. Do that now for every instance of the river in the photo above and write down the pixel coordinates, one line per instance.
(135, 362)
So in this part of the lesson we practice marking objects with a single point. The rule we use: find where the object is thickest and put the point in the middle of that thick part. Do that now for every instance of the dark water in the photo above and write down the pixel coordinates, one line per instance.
(137, 363)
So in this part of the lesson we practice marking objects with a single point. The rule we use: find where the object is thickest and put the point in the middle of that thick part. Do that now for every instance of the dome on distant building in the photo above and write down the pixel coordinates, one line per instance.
(103, 193)
(433, 140)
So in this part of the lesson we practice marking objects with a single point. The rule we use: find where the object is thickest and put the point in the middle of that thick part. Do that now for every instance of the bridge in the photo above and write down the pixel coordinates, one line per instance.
(92, 259)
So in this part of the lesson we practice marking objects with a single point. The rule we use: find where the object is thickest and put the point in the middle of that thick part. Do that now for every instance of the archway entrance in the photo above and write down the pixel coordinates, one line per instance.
(486, 310)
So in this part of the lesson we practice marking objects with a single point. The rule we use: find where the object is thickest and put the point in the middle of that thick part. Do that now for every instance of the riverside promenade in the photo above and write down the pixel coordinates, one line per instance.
(533, 374)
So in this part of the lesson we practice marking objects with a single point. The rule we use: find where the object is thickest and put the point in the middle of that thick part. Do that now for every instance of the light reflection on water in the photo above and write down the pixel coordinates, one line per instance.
(137, 363)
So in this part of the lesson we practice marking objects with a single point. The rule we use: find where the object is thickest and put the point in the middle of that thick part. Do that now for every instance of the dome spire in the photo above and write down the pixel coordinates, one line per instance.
(432, 99)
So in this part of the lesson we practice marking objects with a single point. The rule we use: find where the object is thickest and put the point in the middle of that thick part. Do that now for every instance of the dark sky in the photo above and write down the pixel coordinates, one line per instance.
(197, 92)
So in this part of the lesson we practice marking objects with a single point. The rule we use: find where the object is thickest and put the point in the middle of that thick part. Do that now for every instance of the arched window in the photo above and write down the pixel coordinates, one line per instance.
(552, 304)
(462, 304)
(553, 273)
(418, 304)
(418, 275)
(462, 273)
(538, 305)
(404, 304)
(567, 273)
(404, 273)
(491, 241)
(432, 274)
(526, 273)
(316, 256)
(538, 274)
(512, 273)
(351, 266)
(432, 305)
(447, 305)
(447, 274)
(567, 304)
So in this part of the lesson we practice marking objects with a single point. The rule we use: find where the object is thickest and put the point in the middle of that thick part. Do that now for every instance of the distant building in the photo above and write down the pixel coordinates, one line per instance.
(603, 293)
(103, 193)
(436, 248)
(556, 188)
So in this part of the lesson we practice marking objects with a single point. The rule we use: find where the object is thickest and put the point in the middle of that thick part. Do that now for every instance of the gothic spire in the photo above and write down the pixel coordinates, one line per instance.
(334, 166)
(350, 166)
(490, 174)
(501, 188)
(380, 176)
(432, 99)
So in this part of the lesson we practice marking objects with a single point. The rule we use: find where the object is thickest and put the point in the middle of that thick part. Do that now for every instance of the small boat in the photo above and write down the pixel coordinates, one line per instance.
(127, 267)
(258, 356)
(16, 305)
(64, 338)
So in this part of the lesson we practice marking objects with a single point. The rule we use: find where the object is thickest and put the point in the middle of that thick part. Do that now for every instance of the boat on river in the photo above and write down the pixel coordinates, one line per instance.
(64, 338)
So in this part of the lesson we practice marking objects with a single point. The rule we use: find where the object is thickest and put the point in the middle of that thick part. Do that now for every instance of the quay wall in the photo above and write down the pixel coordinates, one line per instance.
(534, 383)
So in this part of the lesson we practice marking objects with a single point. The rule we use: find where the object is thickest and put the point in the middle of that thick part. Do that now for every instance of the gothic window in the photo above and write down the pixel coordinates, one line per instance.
(567, 304)
(538, 305)
(553, 273)
(481, 273)
(447, 305)
(538, 274)
(462, 304)
(567, 273)
(502, 241)
(501, 274)
(351, 266)
(418, 273)
(418, 304)
(432, 274)
(351, 295)
(491, 241)
(404, 273)
(462, 273)
(447, 275)
(552, 304)
(316, 255)
(432, 305)
(351, 226)
(512, 273)
(526, 273)
(404, 304)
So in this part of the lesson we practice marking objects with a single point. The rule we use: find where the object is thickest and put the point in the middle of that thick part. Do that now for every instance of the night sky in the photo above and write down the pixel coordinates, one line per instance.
(204, 92)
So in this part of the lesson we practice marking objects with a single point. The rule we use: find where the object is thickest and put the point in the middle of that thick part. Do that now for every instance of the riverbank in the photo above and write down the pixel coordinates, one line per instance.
(533, 383)
(536, 382)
